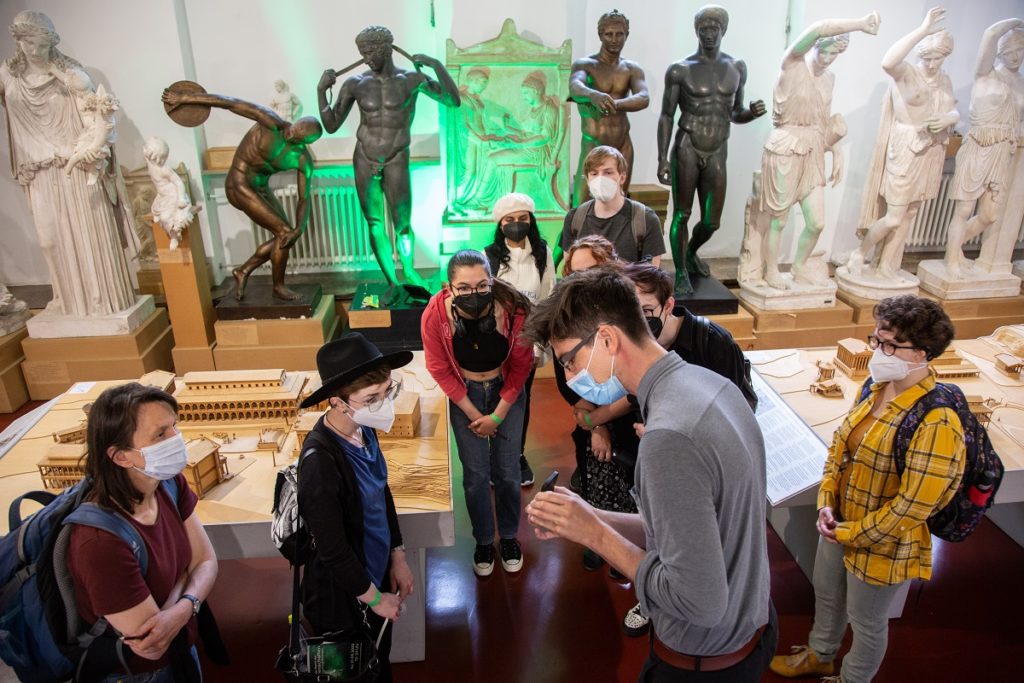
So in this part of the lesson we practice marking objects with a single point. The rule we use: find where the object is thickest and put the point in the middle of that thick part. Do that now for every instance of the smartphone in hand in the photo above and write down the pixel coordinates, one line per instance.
(549, 483)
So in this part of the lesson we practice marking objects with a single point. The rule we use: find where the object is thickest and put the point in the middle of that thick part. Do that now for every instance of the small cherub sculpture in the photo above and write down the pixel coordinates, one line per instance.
(171, 208)
(97, 111)
(285, 103)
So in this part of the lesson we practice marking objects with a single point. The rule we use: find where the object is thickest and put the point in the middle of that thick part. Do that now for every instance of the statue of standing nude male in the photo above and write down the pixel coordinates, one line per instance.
(271, 146)
(606, 87)
(386, 96)
(707, 88)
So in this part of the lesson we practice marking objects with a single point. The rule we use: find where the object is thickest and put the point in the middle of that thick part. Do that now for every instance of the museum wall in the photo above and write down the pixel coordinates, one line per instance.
(240, 47)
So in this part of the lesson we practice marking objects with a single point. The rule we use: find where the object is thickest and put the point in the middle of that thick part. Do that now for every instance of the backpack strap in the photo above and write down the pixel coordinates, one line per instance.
(90, 514)
(578, 216)
(639, 222)
(942, 396)
(14, 519)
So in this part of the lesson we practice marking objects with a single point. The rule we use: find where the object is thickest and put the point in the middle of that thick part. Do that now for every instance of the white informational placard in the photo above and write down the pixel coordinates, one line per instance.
(794, 454)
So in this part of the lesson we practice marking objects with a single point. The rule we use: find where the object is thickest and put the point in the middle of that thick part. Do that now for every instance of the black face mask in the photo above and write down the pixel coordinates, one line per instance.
(516, 231)
(655, 324)
(473, 305)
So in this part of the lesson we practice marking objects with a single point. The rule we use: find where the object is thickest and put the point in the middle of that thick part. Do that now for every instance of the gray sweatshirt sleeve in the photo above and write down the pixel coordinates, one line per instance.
(684, 575)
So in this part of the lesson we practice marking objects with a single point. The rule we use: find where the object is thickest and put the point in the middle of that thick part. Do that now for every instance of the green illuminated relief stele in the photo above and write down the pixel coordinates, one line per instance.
(511, 134)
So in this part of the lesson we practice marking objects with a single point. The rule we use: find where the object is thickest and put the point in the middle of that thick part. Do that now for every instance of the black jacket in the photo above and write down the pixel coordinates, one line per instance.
(332, 507)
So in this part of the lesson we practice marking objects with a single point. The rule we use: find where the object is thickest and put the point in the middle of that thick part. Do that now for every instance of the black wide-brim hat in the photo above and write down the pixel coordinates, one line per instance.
(346, 359)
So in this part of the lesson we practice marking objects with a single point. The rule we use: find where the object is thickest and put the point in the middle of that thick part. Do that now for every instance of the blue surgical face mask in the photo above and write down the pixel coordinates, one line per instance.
(598, 393)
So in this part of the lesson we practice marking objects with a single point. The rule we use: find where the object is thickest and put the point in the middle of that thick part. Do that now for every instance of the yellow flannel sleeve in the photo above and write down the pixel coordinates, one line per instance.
(934, 463)
(830, 475)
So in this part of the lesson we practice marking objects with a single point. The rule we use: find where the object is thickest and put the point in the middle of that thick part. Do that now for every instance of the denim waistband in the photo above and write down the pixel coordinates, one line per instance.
(486, 384)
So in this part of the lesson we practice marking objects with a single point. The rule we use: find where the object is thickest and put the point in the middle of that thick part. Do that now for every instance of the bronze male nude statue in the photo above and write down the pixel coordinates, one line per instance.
(606, 87)
(386, 96)
(707, 87)
(271, 146)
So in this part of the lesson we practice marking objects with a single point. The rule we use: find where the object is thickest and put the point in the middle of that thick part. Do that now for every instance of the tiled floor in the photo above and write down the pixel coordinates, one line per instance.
(555, 622)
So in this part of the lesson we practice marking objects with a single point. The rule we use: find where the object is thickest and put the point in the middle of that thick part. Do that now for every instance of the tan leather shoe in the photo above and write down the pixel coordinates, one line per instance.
(800, 662)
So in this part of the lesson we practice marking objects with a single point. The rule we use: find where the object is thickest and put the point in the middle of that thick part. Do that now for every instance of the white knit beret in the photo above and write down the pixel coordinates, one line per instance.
(511, 203)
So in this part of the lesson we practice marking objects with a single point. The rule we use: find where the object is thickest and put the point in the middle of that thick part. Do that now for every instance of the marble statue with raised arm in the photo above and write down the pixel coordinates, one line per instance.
(804, 128)
(171, 208)
(273, 145)
(918, 113)
(82, 226)
(982, 176)
(285, 103)
(605, 88)
(707, 89)
(386, 97)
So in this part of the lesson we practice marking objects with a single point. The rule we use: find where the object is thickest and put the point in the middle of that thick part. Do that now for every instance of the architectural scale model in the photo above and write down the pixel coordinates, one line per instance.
(852, 356)
(828, 388)
(206, 466)
(1009, 365)
(950, 365)
(826, 371)
(239, 396)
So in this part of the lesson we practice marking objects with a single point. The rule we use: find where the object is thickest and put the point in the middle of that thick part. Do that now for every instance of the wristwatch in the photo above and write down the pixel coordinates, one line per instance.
(196, 602)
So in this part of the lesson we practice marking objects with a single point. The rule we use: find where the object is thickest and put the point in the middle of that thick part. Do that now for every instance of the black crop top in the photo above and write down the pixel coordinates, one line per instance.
(478, 351)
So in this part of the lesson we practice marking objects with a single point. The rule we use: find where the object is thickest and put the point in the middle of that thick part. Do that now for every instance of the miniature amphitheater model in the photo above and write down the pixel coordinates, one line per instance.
(239, 395)
(852, 357)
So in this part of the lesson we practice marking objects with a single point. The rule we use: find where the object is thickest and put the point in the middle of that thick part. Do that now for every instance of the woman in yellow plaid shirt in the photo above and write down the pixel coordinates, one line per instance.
(872, 521)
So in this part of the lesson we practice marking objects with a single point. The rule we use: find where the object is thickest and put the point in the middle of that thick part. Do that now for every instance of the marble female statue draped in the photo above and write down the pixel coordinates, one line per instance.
(82, 227)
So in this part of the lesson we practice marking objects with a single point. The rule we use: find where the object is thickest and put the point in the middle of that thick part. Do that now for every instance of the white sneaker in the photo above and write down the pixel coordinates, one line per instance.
(511, 555)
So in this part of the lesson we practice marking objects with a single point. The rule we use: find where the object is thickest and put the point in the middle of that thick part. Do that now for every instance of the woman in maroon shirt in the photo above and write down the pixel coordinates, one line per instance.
(133, 446)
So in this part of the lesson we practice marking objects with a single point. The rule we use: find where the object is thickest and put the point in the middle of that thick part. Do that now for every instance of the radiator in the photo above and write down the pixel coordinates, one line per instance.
(337, 238)
(929, 230)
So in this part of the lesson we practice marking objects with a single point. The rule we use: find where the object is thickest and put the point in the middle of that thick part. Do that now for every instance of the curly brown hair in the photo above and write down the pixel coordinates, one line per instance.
(915, 320)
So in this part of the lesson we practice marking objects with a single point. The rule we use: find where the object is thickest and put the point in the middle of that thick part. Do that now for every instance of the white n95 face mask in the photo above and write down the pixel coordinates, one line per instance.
(381, 419)
(165, 459)
(603, 189)
(885, 368)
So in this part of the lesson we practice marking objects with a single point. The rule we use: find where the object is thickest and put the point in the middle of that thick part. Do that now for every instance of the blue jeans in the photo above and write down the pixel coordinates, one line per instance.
(164, 675)
(477, 456)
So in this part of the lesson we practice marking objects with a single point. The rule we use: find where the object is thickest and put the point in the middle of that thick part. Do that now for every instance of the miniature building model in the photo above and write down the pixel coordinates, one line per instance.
(950, 365)
(1009, 365)
(302, 426)
(407, 417)
(826, 370)
(828, 388)
(63, 465)
(161, 379)
(71, 434)
(239, 395)
(206, 468)
(980, 408)
(852, 358)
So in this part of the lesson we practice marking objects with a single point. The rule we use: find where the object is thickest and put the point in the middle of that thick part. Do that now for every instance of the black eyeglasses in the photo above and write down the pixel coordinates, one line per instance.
(566, 359)
(464, 290)
(888, 348)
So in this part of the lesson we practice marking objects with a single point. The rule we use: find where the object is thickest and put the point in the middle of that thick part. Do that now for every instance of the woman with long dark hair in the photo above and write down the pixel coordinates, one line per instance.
(471, 339)
(134, 462)
(520, 256)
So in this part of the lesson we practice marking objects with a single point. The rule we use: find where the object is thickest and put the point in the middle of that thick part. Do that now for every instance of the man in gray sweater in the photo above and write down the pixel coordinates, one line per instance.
(697, 552)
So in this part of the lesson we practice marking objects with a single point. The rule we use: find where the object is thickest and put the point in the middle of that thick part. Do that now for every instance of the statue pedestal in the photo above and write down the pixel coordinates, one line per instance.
(976, 284)
(800, 297)
(1018, 268)
(49, 325)
(186, 284)
(394, 327)
(710, 297)
(53, 365)
(275, 341)
(13, 392)
(782, 329)
(871, 286)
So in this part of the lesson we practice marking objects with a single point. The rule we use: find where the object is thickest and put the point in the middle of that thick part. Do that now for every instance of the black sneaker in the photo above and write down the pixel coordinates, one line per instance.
(483, 560)
(525, 473)
(511, 555)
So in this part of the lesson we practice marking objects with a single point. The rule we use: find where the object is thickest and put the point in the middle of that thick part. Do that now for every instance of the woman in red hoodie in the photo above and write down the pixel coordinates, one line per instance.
(471, 340)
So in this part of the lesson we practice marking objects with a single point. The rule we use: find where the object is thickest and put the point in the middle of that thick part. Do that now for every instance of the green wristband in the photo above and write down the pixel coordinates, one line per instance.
(376, 600)
(497, 420)
(586, 418)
